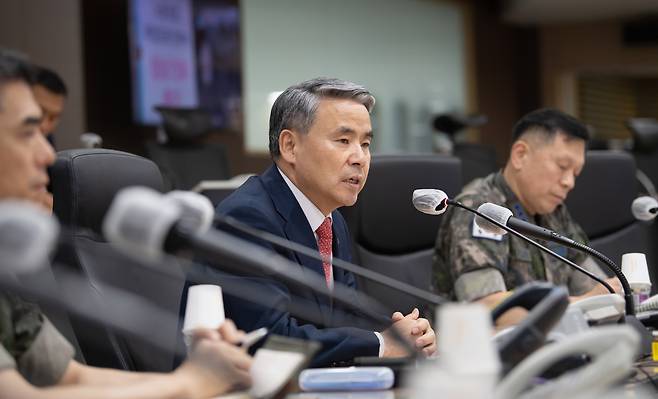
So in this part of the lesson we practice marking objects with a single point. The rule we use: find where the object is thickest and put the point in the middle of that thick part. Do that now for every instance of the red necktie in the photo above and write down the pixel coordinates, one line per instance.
(324, 244)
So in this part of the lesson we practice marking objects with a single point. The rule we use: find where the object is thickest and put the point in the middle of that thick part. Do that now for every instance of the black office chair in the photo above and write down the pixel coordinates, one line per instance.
(478, 160)
(184, 165)
(184, 159)
(218, 190)
(84, 184)
(601, 204)
(390, 235)
(645, 150)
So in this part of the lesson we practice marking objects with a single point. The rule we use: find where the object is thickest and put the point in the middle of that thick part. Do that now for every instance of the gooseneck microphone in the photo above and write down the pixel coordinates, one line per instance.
(142, 222)
(430, 201)
(644, 208)
(443, 201)
(198, 207)
(504, 217)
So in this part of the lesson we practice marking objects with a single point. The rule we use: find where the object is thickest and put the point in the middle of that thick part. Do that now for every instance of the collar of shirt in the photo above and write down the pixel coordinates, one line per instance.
(314, 216)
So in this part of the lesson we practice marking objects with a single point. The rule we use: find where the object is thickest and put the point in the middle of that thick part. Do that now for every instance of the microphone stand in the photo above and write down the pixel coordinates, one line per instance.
(196, 273)
(630, 318)
(628, 293)
(399, 286)
(79, 298)
(220, 247)
(531, 242)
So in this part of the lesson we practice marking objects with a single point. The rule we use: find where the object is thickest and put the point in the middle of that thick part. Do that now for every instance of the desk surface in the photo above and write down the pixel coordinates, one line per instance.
(645, 376)
(646, 373)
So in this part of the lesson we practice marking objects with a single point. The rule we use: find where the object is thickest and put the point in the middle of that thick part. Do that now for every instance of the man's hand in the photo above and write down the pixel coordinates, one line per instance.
(415, 330)
(599, 289)
(215, 364)
(226, 332)
(510, 318)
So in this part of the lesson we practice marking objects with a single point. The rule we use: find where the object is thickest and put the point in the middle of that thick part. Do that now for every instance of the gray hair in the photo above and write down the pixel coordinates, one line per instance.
(295, 108)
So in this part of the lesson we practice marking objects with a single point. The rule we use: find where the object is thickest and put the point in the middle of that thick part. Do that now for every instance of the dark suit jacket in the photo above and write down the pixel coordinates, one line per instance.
(266, 203)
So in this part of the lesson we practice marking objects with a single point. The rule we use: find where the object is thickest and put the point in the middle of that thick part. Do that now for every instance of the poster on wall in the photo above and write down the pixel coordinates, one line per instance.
(162, 56)
(217, 34)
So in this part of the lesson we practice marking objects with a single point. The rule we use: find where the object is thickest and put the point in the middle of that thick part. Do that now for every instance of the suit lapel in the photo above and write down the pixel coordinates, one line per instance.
(296, 225)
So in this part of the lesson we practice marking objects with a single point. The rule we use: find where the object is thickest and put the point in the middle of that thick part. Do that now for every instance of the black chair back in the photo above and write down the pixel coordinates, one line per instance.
(601, 204)
(390, 235)
(186, 165)
(84, 184)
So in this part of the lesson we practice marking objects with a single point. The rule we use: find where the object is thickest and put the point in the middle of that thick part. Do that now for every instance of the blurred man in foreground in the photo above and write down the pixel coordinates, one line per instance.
(36, 361)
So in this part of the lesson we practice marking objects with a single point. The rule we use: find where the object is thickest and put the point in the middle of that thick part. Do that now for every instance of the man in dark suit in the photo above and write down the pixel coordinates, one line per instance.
(320, 135)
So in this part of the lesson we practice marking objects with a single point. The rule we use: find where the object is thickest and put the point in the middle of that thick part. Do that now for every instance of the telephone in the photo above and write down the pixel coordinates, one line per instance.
(647, 312)
(649, 305)
(601, 309)
(612, 351)
(546, 304)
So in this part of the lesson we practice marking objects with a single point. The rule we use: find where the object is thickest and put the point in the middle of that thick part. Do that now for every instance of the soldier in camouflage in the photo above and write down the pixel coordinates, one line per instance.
(547, 154)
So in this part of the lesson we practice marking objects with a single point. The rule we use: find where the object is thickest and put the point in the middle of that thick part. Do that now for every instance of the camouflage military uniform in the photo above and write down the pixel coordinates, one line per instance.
(470, 263)
(30, 343)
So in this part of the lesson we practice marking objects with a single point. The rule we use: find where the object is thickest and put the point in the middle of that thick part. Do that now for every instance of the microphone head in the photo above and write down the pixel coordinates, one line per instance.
(430, 201)
(644, 208)
(27, 236)
(497, 213)
(139, 221)
(197, 212)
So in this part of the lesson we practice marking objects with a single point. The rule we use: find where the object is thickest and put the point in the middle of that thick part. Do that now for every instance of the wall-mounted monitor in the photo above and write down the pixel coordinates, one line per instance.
(186, 54)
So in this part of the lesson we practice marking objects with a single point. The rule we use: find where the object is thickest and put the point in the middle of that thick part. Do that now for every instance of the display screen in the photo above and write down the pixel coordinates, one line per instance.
(185, 54)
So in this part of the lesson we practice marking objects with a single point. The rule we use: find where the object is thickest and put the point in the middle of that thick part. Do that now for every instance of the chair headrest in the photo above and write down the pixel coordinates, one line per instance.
(387, 221)
(601, 201)
(645, 134)
(452, 123)
(85, 181)
(183, 125)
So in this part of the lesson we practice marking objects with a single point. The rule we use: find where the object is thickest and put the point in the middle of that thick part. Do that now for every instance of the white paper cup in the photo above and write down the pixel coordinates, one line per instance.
(204, 308)
(634, 267)
(465, 334)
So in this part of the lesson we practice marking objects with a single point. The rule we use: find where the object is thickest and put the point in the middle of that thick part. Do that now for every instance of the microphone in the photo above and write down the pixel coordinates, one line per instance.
(497, 227)
(644, 208)
(196, 206)
(430, 201)
(27, 236)
(503, 217)
(197, 212)
(142, 221)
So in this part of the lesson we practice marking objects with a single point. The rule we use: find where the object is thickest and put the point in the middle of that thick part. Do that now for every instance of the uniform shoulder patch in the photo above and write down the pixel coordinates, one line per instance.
(477, 232)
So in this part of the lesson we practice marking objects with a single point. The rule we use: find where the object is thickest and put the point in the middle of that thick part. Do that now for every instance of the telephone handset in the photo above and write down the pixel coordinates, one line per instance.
(601, 309)
(612, 350)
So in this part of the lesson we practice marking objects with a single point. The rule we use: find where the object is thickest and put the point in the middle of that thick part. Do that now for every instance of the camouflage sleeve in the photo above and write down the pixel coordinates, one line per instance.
(478, 284)
(30, 343)
(579, 283)
(468, 266)
(45, 362)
